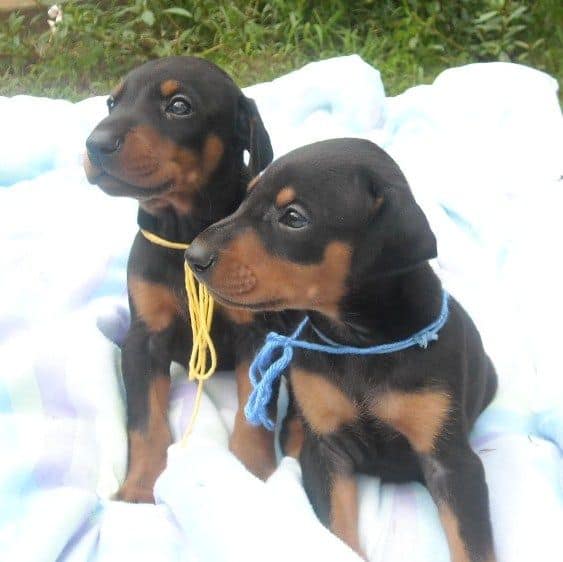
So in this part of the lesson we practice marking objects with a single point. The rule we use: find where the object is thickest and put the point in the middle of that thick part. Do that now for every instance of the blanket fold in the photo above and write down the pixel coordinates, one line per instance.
(481, 148)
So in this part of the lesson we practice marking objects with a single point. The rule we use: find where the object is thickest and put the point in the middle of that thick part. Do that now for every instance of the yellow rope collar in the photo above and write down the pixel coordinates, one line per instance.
(203, 359)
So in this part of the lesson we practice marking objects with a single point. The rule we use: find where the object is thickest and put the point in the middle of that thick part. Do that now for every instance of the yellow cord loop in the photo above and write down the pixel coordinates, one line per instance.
(203, 359)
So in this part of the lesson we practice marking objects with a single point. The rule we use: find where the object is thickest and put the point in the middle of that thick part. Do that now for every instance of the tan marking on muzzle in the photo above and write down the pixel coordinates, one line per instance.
(248, 274)
(148, 160)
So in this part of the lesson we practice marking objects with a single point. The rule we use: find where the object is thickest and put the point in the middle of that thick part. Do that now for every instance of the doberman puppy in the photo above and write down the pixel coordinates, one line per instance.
(174, 140)
(333, 229)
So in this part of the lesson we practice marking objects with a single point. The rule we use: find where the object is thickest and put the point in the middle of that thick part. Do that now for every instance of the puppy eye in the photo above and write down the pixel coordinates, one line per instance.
(294, 218)
(179, 106)
(110, 102)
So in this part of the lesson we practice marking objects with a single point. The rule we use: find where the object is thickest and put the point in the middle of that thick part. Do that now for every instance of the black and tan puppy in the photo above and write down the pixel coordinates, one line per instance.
(333, 229)
(174, 139)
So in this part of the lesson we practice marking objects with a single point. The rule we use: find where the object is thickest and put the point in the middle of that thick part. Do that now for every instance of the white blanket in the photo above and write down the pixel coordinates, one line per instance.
(482, 150)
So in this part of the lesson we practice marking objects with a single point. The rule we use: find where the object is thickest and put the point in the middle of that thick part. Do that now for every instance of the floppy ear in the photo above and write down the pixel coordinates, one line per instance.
(399, 236)
(254, 136)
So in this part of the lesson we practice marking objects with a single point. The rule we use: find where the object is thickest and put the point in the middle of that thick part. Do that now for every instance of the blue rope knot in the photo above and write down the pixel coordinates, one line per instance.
(276, 355)
(422, 340)
(264, 371)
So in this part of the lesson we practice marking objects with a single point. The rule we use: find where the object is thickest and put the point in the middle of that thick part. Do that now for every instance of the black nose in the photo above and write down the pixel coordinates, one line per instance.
(199, 257)
(102, 143)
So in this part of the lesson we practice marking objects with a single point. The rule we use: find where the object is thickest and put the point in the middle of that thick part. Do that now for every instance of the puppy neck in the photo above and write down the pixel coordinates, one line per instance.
(384, 309)
(220, 197)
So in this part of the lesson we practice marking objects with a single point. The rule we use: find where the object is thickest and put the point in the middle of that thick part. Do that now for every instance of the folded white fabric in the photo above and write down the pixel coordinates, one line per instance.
(481, 148)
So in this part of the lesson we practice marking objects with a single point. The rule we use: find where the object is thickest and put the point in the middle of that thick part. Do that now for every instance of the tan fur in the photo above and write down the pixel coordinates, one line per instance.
(325, 407)
(285, 196)
(169, 87)
(344, 511)
(155, 304)
(147, 449)
(149, 160)
(419, 416)
(246, 273)
(253, 446)
(295, 437)
(450, 523)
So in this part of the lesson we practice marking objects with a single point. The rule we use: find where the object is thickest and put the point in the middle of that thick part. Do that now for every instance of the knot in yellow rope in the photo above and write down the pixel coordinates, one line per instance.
(203, 359)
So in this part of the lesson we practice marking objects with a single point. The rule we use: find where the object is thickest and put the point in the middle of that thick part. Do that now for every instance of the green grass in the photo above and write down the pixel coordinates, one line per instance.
(410, 41)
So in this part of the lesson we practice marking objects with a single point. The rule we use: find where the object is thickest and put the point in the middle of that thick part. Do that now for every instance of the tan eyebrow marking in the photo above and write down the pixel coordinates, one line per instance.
(169, 87)
(285, 196)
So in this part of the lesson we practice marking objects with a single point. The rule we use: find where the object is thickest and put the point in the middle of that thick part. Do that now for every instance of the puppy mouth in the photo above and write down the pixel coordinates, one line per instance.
(117, 187)
(273, 304)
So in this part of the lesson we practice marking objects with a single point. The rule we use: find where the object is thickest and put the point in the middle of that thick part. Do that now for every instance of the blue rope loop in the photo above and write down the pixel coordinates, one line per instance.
(264, 371)
(277, 352)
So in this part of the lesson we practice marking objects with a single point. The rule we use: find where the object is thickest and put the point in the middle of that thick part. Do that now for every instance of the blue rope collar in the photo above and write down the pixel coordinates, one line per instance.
(266, 369)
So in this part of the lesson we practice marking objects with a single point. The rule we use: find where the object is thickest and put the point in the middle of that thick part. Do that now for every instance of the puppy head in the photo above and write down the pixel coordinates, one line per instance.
(171, 124)
(317, 221)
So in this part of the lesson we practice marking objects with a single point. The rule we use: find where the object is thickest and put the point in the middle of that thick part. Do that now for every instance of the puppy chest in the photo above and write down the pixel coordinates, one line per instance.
(325, 406)
(418, 415)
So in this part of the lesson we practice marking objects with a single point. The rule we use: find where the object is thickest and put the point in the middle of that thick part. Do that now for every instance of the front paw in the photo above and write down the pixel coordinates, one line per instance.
(133, 492)
(147, 460)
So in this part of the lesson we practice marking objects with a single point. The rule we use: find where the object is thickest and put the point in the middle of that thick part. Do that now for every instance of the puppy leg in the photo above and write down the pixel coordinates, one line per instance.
(253, 446)
(292, 433)
(146, 365)
(332, 489)
(456, 479)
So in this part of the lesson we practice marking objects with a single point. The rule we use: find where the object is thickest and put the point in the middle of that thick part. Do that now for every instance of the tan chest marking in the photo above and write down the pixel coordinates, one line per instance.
(156, 304)
(419, 416)
(324, 406)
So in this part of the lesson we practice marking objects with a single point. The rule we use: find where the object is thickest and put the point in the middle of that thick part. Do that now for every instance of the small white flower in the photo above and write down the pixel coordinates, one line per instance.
(55, 16)
(53, 11)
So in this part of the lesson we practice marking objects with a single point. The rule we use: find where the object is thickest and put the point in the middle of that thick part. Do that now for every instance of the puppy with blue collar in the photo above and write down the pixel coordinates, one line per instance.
(387, 372)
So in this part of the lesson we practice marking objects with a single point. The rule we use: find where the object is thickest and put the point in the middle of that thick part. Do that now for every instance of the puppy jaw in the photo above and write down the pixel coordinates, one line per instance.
(249, 276)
